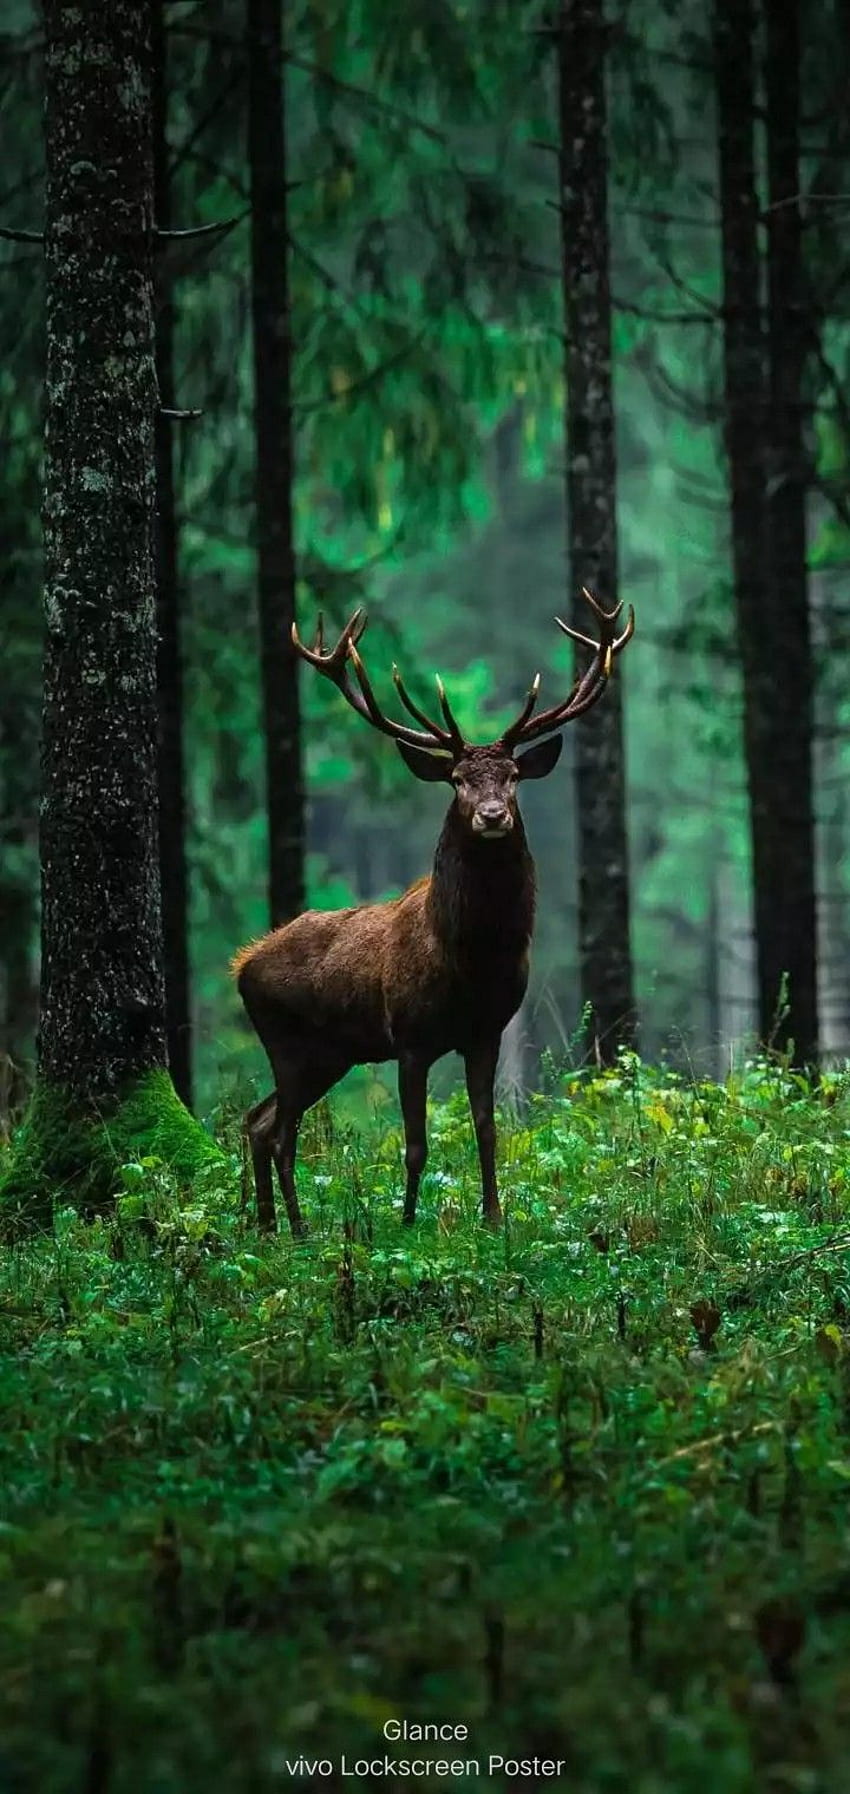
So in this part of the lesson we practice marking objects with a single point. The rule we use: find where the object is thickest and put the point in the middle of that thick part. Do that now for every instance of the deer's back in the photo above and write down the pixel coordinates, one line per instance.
(377, 980)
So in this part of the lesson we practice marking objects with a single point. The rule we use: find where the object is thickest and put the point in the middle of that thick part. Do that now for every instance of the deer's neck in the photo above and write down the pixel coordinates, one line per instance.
(482, 893)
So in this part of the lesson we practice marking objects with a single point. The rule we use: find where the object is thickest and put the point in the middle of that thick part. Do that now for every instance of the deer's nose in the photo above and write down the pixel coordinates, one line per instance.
(492, 817)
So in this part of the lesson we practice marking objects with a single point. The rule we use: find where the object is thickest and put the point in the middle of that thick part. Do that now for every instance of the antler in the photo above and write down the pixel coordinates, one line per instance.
(333, 664)
(587, 689)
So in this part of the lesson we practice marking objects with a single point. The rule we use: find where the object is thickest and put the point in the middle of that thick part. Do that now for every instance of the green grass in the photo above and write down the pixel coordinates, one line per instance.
(582, 1487)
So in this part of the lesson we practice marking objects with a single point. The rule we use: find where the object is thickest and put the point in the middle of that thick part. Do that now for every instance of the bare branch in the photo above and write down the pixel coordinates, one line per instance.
(804, 199)
(665, 317)
(202, 230)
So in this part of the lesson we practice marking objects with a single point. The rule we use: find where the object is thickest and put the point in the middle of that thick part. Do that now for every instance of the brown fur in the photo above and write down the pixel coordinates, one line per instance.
(440, 969)
(403, 973)
(247, 952)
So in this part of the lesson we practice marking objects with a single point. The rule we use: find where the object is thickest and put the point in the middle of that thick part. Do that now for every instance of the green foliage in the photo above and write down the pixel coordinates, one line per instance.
(581, 1487)
(60, 1152)
(428, 393)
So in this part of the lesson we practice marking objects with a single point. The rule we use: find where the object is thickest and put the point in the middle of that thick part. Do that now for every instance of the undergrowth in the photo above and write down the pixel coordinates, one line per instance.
(57, 1154)
(581, 1487)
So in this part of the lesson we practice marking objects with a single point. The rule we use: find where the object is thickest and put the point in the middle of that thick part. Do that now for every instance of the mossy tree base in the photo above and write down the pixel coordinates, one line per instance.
(63, 1155)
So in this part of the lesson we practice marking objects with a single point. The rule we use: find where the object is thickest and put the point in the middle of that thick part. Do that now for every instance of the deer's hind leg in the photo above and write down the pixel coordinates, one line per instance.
(274, 1142)
(299, 1086)
(259, 1126)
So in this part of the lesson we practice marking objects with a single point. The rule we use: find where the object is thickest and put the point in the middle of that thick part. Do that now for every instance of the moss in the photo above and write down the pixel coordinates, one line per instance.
(60, 1155)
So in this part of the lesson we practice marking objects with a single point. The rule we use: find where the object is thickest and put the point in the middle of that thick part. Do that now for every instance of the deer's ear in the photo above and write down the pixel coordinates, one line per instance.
(425, 765)
(537, 761)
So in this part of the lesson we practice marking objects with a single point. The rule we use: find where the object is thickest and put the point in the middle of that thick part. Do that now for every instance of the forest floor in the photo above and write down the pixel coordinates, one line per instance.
(581, 1488)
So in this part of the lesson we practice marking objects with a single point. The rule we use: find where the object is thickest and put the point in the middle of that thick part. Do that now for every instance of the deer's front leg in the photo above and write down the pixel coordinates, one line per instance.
(480, 1066)
(413, 1091)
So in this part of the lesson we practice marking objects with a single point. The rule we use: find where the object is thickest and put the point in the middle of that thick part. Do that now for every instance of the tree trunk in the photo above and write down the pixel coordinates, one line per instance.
(770, 597)
(171, 770)
(102, 1093)
(791, 943)
(743, 419)
(603, 869)
(274, 458)
(102, 1002)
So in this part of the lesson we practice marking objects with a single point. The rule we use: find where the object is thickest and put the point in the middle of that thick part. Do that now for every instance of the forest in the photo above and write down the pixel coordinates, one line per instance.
(516, 332)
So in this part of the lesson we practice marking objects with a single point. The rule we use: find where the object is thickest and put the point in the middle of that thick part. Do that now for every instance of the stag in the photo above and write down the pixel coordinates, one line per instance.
(440, 969)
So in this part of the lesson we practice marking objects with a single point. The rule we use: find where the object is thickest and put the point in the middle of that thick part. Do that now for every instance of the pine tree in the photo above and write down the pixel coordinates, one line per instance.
(274, 470)
(763, 370)
(603, 870)
(789, 941)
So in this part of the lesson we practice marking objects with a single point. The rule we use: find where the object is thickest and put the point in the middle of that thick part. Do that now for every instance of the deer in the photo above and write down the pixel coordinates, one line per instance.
(440, 969)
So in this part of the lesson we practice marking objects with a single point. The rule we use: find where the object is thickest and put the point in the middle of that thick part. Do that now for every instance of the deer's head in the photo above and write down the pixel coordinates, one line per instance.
(485, 778)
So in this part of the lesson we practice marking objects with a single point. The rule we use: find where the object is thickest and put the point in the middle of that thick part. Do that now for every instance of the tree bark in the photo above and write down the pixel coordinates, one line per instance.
(171, 767)
(102, 1000)
(770, 598)
(272, 333)
(791, 942)
(603, 870)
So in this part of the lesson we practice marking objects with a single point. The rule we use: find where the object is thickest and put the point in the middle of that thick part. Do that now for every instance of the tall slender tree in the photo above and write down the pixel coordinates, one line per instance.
(102, 1018)
(790, 945)
(600, 781)
(171, 782)
(272, 336)
(762, 424)
(743, 429)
